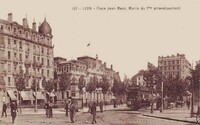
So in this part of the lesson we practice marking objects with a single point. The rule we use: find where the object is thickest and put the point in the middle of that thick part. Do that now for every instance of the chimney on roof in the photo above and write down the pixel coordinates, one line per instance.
(104, 64)
(10, 17)
(25, 23)
(34, 25)
(111, 67)
(97, 56)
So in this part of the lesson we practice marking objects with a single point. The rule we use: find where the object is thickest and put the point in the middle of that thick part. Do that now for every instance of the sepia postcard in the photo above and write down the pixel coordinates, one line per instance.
(104, 62)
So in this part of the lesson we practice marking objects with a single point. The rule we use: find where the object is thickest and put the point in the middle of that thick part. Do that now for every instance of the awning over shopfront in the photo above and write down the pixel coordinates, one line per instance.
(39, 95)
(24, 95)
(11, 94)
(51, 94)
(30, 95)
(113, 97)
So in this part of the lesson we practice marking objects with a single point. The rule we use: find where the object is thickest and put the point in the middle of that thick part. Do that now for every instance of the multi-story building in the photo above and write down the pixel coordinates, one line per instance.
(175, 66)
(27, 49)
(89, 69)
(138, 79)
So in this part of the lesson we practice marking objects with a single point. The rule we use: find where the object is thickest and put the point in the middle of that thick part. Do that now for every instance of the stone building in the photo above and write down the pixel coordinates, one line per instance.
(175, 65)
(27, 49)
(89, 69)
(138, 79)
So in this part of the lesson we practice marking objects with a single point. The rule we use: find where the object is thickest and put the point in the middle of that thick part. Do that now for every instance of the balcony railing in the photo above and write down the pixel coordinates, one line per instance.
(15, 59)
(27, 62)
(37, 64)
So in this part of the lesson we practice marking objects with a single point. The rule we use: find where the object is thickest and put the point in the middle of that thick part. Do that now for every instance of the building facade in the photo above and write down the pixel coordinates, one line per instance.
(175, 66)
(27, 49)
(138, 79)
(89, 69)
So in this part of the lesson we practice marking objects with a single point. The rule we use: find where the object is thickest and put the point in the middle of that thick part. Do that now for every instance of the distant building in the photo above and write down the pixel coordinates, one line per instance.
(89, 69)
(138, 79)
(27, 49)
(176, 66)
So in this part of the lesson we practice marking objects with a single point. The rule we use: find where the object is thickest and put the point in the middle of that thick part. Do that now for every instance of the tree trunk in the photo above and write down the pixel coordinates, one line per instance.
(104, 99)
(20, 109)
(152, 107)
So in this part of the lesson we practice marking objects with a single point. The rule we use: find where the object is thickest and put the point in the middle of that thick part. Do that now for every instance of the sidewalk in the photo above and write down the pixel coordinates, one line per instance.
(105, 108)
(179, 114)
(31, 111)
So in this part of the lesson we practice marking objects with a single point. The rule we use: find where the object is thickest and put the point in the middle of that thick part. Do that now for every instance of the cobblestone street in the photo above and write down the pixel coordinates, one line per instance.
(105, 118)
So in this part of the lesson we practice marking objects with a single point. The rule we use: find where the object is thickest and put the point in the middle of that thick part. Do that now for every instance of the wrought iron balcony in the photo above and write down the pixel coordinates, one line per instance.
(37, 64)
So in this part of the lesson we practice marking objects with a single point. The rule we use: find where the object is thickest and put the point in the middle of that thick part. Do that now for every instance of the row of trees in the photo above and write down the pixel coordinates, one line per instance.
(173, 87)
(21, 80)
(64, 82)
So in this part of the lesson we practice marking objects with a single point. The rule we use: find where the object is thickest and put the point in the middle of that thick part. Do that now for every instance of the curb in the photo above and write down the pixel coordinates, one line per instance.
(173, 119)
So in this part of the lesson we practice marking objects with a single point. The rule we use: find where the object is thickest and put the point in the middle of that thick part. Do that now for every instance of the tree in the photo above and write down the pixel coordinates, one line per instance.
(92, 85)
(44, 82)
(34, 83)
(20, 81)
(118, 88)
(104, 84)
(81, 84)
(195, 79)
(153, 79)
(50, 85)
(64, 82)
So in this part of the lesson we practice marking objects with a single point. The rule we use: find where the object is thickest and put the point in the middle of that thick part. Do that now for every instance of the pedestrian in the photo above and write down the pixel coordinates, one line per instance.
(188, 103)
(46, 107)
(50, 110)
(89, 106)
(72, 111)
(4, 110)
(13, 107)
(101, 106)
(93, 112)
(114, 103)
(66, 108)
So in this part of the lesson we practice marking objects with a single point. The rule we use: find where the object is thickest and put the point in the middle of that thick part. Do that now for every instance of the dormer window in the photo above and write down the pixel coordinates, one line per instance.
(14, 30)
(26, 35)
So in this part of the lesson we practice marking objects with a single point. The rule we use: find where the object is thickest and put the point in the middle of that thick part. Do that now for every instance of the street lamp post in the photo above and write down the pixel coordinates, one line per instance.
(161, 108)
(192, 105)
(98, 92)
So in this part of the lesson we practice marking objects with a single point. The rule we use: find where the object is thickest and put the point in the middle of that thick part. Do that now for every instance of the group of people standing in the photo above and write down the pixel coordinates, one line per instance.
(72, 110)
(49, 109)
(92, 109)
(14, 110)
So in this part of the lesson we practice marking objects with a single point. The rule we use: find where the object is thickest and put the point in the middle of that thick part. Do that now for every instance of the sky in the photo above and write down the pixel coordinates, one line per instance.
(127, 39)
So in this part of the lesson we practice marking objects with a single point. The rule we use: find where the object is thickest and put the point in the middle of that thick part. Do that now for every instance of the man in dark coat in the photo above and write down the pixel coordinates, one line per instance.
(46, 106)
(4, 110)
(51, 110)
(101, 106)
(93, 112)
(13, 108)
(188, 103)
(72, 111)
(66, 108)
